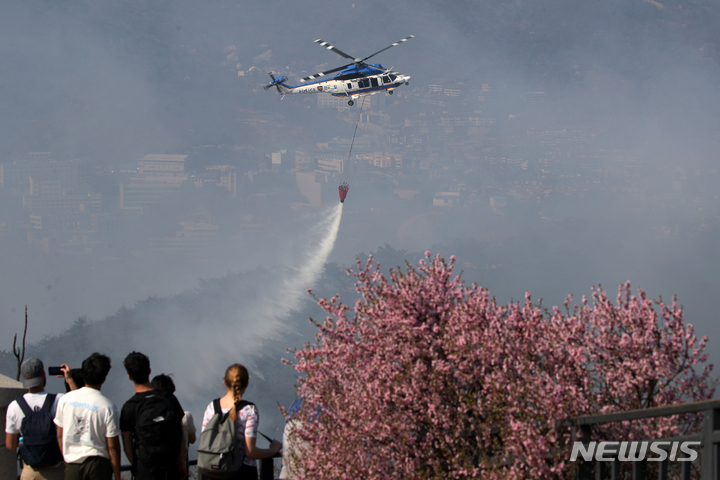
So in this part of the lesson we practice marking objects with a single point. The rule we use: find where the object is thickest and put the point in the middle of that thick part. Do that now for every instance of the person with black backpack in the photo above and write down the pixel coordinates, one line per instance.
(165, 383)
(227, 448)
(151, 426)
(29, 425)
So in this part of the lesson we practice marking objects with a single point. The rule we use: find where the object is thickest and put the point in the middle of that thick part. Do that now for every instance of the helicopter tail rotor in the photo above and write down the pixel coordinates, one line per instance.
(277, 83)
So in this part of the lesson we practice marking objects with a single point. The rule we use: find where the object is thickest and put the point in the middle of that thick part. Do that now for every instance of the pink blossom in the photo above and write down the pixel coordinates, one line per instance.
(432, 379)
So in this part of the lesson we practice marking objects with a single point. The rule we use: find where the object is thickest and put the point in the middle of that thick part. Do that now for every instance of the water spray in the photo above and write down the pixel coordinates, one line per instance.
(268, 317)
(289, 294)
(309, 272)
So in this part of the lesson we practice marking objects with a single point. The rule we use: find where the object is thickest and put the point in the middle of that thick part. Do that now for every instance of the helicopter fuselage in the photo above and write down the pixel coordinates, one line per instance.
(356, 79)
(350, 87)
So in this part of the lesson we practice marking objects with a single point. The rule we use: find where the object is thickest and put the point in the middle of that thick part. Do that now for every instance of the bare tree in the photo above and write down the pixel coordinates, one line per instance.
(20, 353)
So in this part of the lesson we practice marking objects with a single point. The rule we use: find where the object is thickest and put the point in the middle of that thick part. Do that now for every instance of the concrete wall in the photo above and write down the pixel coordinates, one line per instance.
(9, 391)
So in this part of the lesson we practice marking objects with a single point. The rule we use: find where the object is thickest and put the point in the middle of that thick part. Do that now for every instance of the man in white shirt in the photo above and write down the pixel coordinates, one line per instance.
(88, 427)
(45, 456)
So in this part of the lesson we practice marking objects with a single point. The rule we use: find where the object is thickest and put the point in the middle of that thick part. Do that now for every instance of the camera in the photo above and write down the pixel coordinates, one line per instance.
(54, 371)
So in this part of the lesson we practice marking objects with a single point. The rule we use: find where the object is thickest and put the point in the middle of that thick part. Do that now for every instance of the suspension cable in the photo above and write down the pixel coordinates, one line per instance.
(347, 166)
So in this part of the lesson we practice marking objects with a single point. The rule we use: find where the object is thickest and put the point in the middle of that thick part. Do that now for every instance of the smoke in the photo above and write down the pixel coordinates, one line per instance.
(201, 350)
(307, 274)
(291, 291)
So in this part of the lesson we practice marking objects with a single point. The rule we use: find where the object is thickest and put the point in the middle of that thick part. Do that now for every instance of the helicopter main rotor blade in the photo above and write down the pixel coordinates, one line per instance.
(325, 44)
(386, 48)
(311, 77)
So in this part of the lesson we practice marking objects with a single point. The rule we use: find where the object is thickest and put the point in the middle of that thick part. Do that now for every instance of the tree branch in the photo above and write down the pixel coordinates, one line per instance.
(20, 353)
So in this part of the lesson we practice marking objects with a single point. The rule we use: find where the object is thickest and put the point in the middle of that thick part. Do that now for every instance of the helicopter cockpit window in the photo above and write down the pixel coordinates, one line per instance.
(386, 79)
(393, 77)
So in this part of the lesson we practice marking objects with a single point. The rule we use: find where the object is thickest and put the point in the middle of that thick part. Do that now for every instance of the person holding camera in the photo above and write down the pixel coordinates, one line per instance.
(87, 426)
(29, 425)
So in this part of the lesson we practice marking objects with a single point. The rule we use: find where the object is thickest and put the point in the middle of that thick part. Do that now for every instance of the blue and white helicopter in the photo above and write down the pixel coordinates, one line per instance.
(355, 79)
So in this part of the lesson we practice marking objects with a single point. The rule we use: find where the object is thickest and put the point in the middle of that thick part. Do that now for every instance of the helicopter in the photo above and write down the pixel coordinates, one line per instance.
(356, 79)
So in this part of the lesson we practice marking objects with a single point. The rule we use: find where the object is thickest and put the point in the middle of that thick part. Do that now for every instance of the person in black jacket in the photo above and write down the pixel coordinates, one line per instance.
(147, 416)
(165, 383)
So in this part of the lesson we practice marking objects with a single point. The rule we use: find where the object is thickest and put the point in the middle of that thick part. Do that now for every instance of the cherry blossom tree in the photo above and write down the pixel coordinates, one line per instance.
(429, 378)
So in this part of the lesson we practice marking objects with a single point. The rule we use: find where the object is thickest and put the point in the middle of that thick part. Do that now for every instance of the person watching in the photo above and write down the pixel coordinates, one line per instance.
(31, 416)
(88, 430)
(155, 449)
(165, 383)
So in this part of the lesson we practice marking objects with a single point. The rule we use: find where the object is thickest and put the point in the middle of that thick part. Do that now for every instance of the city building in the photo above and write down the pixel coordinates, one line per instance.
(91, 202)
(277, 159)
(198, 238)
(16, 175)
(45, 184)
(224, 176)
(304, 160)
(310, 185)
(446, 199)
(157, 176)
(330, 163)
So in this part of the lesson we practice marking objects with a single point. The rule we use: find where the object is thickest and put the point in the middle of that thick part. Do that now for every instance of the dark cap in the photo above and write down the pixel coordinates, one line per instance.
(31, 372)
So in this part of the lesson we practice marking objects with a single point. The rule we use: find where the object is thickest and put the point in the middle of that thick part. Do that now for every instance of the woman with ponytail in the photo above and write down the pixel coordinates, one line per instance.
(246, 420)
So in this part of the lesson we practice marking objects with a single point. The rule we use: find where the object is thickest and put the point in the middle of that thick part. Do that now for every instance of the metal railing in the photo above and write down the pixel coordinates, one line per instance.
(266, 467)
(708, 438)
(127, 468)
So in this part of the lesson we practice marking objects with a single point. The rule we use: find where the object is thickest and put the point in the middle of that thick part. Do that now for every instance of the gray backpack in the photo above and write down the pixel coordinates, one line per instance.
(219, 453)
